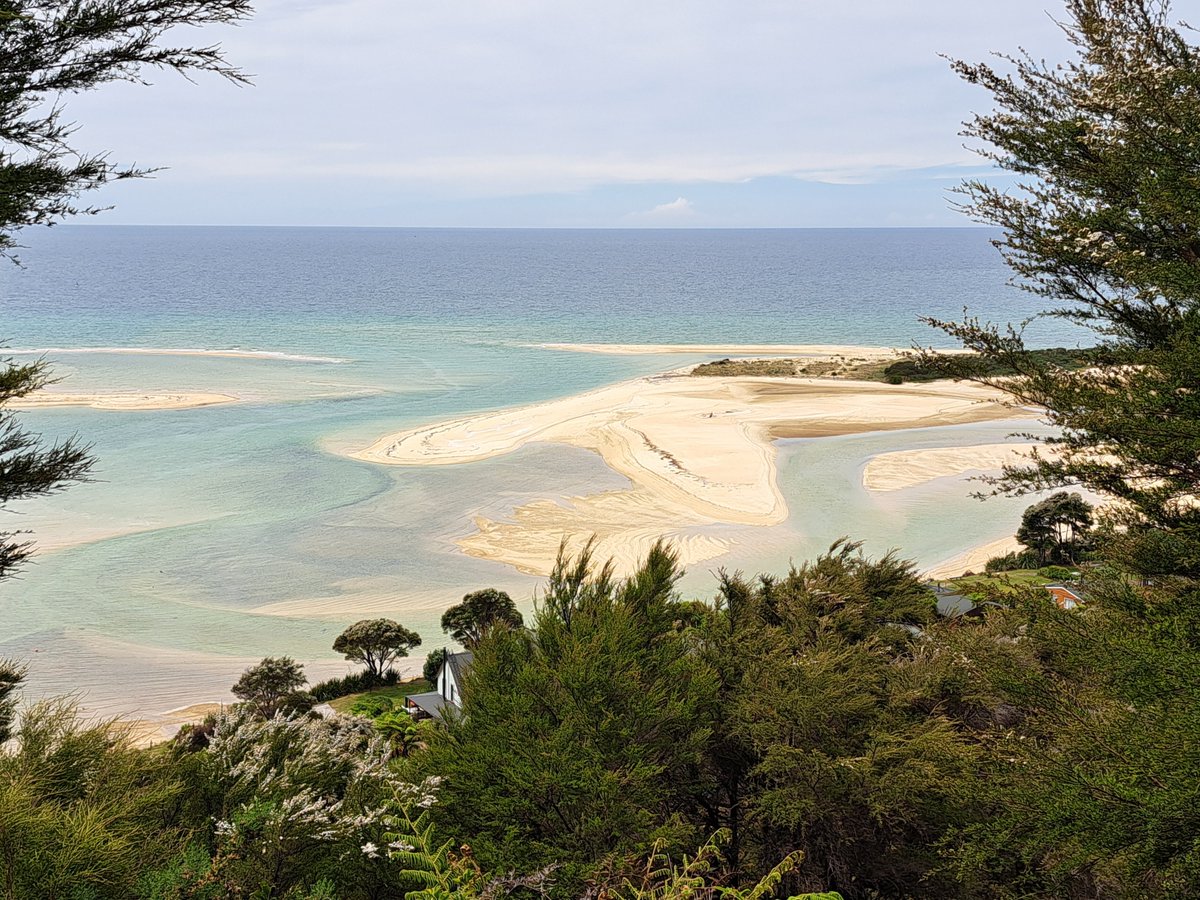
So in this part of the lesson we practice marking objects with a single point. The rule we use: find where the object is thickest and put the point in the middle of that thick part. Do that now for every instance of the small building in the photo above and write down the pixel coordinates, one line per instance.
(1063, 596)
(950, 604)
(447, 688)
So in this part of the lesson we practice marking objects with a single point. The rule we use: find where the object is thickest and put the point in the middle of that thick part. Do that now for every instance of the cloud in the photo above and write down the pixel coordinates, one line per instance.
(480, 100)
(679, 208)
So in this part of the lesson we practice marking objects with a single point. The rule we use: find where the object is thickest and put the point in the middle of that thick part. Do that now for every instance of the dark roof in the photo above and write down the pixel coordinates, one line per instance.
(459, 663)
(954, 604)
(431, 702)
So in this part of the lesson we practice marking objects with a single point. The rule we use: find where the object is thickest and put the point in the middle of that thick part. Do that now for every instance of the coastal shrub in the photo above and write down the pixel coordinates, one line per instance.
(300, 800)
(1011, 562)
(194, 735)
(82, 812)
(371, 706)
(354, 683)
(583, 736)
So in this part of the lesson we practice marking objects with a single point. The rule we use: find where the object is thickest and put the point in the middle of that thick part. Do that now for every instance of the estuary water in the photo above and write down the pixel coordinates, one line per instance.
(212, 537)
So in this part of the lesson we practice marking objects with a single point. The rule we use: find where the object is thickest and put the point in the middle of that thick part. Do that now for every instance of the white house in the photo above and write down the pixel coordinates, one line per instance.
(448, 688)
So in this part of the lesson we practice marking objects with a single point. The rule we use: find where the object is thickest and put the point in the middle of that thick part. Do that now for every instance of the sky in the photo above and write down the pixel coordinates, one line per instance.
(545, 113)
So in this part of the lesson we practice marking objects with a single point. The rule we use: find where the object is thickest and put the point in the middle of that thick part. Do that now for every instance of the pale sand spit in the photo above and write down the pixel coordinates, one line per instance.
(972, 560)
(909, 468)
(124, 401)
(698, 451)
(175, 351)
(813, 350)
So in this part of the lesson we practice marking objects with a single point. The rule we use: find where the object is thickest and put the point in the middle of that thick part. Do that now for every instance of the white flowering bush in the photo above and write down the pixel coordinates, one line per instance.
(300, 796)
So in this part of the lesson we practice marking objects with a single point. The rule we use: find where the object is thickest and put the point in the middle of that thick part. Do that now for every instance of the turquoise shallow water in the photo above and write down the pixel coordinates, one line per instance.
(153, 591)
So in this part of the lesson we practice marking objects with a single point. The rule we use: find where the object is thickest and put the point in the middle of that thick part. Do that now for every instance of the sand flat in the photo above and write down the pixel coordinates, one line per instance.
(123, 401)
(698, 451)
(904, 469)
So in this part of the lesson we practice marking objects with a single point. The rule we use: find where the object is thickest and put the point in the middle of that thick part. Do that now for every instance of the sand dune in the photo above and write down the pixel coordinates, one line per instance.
(124, 401)
(910, 468)
(699, 453)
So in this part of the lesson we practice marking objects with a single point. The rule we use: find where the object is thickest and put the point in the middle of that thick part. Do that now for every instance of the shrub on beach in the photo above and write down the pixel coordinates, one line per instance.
(1009, 562)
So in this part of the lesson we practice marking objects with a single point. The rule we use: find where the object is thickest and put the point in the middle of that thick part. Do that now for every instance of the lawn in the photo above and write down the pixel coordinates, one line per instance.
(1017, 578)
(395, 692)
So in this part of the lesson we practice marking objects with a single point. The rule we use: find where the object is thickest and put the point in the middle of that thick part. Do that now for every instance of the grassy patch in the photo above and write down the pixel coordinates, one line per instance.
(394, 692)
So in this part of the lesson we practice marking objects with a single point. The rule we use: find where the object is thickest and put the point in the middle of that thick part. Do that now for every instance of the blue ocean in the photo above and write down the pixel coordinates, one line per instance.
(212, 537)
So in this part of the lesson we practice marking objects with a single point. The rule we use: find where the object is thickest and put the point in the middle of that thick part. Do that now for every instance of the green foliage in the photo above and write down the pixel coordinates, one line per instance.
(836, 737)
(81, 813)
(919, 370)
(299, 800)
(697, 876)
(186, 877)
(479, 612)
(1057, 527)
(355, 683)
(1013, 561)
(371, 706)
(29, 467)
(581, 737)
(1106, 147)
(429, 868)
(54, 48)
(12, 676)
(1090, 794)
(376, 643)
(268, 685)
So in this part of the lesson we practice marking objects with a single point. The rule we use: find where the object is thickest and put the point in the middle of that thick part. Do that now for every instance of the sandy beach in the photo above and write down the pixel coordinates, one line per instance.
(124, 401)
(698, 452)
(972, 560)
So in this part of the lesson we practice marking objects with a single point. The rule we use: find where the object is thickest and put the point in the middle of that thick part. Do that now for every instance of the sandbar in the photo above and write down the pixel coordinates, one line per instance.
(903, 469)
(124, 401)
(175, 351)
(699, 453)
(814, 350)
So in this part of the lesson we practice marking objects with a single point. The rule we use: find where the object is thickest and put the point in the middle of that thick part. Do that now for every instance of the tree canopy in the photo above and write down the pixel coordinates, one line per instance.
(479, 611)
(1055, 528)
(376, 643)
(53, 48)
(1089, 795)
(1103, 228)
(266, 685)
